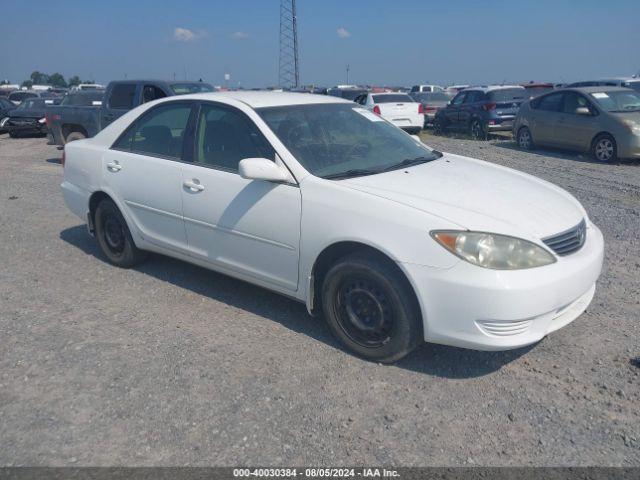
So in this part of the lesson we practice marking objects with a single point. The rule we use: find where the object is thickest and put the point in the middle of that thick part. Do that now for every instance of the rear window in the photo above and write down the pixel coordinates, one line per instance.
(122, 96)
(19, 96)
(185, 88)
(82, 100)
(507, 94)
(393, 98)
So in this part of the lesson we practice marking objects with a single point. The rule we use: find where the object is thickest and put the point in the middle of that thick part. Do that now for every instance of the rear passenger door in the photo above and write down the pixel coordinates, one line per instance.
(545, 114)
(143, 170)
(452, 111)
(249, 227)
(468, 106)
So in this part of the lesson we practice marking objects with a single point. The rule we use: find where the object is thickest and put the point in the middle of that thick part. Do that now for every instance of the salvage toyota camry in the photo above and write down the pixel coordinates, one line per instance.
(325, 202)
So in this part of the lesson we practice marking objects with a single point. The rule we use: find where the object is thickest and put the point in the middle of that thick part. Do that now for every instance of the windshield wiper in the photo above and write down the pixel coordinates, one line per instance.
(411, 161)
(355, 172)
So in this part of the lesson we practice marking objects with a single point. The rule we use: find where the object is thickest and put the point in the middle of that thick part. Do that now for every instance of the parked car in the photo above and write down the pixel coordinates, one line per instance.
(18, 96)
(535, 89)
(602, 120)
(627, 82)
(79, 111)
(453, 90)
(348, 92)
(480, 110)
(27, 118)
(431, 103)
(426, 89)
(5, 107)
(73, 122)
(397, 108)
(393, 237)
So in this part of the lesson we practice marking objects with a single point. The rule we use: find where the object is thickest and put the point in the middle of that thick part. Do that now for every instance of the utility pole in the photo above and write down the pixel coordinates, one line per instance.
(288, 62)
(347, 74)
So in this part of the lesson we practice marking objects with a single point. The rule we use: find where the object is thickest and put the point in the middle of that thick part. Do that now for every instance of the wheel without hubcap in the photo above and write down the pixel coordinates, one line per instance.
(114, 237)
(369, 306)
(476, 130)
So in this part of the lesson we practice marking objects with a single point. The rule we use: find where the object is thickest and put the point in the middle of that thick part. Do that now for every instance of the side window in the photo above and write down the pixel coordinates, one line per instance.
(225, 136)
(551, 103)
(122, 96)
(159, 132)
(473, 96)
(415, 88)
(573, 101)
(458, 99)
(151, 92)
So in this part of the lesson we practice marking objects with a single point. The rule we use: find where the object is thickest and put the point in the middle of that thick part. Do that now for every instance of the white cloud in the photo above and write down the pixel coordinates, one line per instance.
(185, 35)
(239, 35)
(343, 32)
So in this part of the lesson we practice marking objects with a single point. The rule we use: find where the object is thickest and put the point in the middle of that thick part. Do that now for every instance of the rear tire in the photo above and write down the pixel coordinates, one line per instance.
(438, 126)
(73, 136)
(604, 148)
(370, 308)
(524, 139)
(114, 237)
(476, 130)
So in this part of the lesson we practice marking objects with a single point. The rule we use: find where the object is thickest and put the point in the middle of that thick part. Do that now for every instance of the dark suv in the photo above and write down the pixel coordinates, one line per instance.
(480, 110)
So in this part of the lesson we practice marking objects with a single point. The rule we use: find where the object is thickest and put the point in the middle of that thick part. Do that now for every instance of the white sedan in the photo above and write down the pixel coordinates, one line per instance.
(321, 200)
(397, 108)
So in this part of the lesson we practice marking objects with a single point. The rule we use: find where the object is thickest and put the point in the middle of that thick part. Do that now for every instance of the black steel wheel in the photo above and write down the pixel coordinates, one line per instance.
(371, 309)
(114, 237)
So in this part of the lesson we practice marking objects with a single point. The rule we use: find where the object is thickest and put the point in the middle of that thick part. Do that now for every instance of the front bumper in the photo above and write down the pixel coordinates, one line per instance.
(26, 127)
(472, 307)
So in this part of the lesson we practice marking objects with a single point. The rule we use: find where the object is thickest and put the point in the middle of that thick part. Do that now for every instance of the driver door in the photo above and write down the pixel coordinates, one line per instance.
(249, 227)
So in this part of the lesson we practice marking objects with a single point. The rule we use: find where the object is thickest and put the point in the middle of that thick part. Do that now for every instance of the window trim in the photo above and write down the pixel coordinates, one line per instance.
(225, 106)
(185, 156)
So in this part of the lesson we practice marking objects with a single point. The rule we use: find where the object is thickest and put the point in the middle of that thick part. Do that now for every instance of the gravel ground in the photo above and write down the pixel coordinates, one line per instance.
(170, 364)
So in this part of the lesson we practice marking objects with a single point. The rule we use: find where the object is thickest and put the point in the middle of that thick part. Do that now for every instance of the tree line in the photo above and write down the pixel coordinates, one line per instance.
(54, 79)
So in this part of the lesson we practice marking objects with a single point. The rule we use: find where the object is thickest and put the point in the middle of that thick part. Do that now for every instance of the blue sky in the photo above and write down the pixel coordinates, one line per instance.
(399, 42)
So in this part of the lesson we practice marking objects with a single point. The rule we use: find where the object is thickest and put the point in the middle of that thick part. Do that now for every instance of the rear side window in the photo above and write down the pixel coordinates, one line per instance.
(549, 103)
(151, 92)
(159, 132)
(474, 96)
(507, 95)
(122, 96)
(392, 98)
(225, 136)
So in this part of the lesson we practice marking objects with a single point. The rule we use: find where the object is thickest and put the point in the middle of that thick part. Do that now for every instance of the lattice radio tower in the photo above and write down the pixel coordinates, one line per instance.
(288, 65)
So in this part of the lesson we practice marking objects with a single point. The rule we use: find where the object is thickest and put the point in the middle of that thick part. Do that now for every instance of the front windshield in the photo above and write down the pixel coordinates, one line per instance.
(618, 100)
(28, 104)
(186, 88)
(341, 140)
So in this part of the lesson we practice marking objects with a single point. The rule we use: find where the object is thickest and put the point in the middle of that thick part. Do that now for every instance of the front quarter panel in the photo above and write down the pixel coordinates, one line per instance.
(333, 213)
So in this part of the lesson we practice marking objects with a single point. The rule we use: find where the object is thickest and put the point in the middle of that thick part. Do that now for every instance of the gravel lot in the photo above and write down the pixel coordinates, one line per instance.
(170, 364)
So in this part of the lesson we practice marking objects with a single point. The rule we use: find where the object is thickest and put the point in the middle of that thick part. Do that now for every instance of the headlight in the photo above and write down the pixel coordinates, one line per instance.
(490, 250)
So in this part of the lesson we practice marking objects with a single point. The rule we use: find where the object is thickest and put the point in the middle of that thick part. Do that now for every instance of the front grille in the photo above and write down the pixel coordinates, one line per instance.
(568, 242)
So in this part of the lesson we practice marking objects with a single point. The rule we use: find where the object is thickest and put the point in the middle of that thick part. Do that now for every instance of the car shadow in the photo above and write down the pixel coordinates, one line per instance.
(57, 161)
(430, 359)
(561, 154)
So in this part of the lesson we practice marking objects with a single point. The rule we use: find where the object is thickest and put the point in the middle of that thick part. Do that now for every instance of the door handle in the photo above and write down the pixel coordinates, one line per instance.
(114, 166)
(193, 185)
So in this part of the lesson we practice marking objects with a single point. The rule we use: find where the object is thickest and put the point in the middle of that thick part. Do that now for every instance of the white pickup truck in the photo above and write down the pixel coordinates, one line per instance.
(398, 108)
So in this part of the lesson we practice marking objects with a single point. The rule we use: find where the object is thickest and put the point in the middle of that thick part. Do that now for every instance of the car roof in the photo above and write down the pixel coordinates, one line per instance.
(259, 99)
(393, 93)
(599, 88)
(491, 88)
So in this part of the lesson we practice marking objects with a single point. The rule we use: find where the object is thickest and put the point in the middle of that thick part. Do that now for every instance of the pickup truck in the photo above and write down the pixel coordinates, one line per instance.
(68, 122)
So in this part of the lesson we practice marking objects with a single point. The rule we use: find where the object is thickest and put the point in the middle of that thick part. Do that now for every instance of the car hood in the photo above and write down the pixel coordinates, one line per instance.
(478, 195)
(627, 116)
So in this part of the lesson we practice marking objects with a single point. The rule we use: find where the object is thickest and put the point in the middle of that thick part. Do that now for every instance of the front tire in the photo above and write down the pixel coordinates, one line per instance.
(604, 148)
(370, 308)
(114, 237)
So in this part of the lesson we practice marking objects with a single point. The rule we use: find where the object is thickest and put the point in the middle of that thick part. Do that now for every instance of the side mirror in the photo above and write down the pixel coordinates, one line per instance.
(261, 169)
(583, 111)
